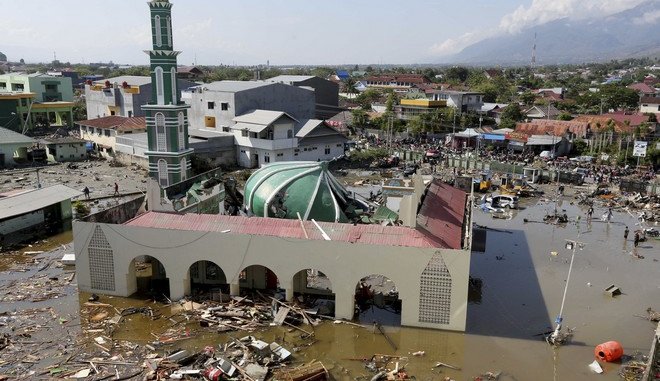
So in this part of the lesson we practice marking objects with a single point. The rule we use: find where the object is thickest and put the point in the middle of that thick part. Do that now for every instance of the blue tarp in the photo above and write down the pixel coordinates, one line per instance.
(493, 137)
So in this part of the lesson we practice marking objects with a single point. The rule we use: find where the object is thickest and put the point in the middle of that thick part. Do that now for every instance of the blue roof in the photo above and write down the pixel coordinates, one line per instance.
(493, 137)
(343, 74)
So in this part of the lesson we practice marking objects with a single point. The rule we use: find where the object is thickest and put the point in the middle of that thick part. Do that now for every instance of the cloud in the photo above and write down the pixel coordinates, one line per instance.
(648, 18)
(539, 12)
(542, 11)
(454, 45)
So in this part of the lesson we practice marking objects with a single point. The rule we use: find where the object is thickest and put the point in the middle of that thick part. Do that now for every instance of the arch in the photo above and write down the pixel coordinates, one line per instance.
(183, 167)
(150, 277)
(174, 90)
(159, 31)
(182, 131)
(377, 299)
(163, 179)
(207, 279)
(258, 277)
(161, 133)
(160, 95)
(316, 290)
(169, 31)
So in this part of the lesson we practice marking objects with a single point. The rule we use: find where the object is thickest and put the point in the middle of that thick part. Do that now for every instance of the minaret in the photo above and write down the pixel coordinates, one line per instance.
(167, 117)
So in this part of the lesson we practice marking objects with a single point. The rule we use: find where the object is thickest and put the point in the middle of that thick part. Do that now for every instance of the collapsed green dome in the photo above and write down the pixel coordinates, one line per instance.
(284, 189)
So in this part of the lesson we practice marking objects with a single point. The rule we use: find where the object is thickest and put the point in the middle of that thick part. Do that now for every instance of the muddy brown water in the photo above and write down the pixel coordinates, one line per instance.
(520, 295)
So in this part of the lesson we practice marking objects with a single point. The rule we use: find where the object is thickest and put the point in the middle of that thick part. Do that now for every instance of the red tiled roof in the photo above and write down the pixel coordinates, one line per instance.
(442, 214)
(600, 122)
(412, 78)
(652, 100)
(360, 234)
(634, 120)
(553, 127)
(642, 88)
(115, 122)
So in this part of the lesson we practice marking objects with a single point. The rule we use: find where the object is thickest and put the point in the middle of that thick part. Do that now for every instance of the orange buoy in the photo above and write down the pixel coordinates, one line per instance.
(609, 351)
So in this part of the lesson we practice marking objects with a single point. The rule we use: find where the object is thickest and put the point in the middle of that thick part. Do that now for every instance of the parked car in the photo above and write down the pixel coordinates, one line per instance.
(547, 155)
(503, 201)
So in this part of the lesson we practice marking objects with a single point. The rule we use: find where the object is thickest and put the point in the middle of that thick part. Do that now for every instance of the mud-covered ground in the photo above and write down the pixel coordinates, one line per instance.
(521, 277)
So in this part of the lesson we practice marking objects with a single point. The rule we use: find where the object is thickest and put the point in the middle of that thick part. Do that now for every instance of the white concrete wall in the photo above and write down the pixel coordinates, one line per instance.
(344, 263)
(67, 152)
(12, 150)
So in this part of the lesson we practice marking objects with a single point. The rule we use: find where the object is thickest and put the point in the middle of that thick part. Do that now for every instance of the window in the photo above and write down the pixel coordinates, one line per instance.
(3, 85)
(17, 87)
(130, 113)
(173, 78)
(106, 132)
(327, 151)
(50, 87)
(289, 134)
(224, 106)
(169, 31)
(339, 145)
(266, 158)
(182, 132)
(161, 136)
(159, 85)
(184, 168)
(244, 133)
(210, 105)
(112, 113)
(225, 129)
(162, 173)
(159, 31)
(280, 155)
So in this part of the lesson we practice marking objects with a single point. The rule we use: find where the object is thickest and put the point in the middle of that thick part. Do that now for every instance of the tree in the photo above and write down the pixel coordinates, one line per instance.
(457, 73)
(511, 115)
(527, 98)
(564, 116)
(349, 86)
(360, 117)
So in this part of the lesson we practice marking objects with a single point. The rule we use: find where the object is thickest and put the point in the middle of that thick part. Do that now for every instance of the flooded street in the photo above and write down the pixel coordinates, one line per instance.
(516, 298)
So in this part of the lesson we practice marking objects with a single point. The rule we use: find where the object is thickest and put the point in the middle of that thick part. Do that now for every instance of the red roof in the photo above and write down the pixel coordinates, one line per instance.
(600, 122)
(651, 100)
(642, 88)
(360, 234)
(553, 127)
(442, 214)
(633, 119)
(410, 78)
(116, 122)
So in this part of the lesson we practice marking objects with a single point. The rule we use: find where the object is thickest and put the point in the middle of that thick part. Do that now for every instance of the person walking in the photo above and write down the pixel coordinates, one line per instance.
(625, 233)
(590, 212)
(116, 189)
(636, 239)
(86, 192)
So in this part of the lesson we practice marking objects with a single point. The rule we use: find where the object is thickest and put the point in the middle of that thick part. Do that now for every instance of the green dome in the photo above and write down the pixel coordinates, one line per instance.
(284, 189)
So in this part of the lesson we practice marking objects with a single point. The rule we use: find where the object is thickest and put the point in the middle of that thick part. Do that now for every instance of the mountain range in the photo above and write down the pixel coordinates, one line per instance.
(631, 33)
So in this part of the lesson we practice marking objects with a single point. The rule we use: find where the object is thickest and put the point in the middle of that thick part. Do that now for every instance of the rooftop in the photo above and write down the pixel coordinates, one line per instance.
(261, 117)
(288, 79)
(283, 228)
(234, 86)
(116, 122)
(132, 80)
(11, 137)
(442, 215)
(26, 202)
(63, 140)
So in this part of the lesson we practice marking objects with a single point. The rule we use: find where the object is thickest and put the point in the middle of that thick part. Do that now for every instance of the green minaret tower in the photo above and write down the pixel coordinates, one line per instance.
(167, 116)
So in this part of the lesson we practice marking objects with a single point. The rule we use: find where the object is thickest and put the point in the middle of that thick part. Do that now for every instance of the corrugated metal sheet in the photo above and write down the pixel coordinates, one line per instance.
(442, 214)
(360, 234)
(34, 200)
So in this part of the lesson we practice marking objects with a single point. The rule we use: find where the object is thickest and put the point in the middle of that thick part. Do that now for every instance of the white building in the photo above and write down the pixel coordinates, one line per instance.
(214, 106)
(264, 136)
(103, 132)
(13, 147)
(462, 100)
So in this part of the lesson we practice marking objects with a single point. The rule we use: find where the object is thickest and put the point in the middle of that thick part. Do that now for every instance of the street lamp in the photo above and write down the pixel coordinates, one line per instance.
(555, 337)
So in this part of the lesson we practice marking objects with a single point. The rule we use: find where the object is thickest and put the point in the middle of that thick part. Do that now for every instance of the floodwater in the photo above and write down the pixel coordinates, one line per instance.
(520, 293)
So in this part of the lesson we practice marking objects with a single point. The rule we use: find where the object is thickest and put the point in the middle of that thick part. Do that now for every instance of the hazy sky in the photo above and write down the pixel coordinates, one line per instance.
(282, 31)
